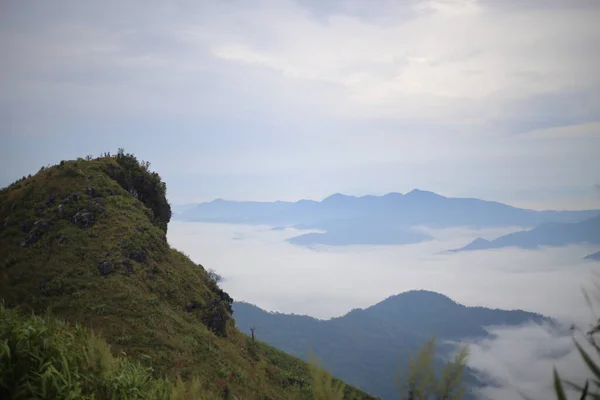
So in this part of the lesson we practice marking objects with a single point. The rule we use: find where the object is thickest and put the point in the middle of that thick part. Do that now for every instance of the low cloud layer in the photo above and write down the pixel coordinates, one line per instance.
(261, 268)
(520, 361)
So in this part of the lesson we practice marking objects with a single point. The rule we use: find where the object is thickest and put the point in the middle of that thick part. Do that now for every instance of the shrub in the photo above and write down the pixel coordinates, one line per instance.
(135, 177)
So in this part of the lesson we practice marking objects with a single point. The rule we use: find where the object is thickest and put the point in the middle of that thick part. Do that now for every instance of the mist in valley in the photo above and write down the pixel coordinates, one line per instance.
(258, 266)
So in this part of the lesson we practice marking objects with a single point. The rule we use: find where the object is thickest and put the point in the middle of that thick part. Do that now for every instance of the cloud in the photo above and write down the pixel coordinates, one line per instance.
(520, 361)
(417, 67)
(473, 278)
(265, 270)
(398, 94)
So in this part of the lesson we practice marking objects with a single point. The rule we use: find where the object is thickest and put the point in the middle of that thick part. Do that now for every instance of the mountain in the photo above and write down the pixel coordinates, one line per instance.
(87, 240)
(375, 219)
(593, 256)
(358, 231)
(365, 346)
(548, 234)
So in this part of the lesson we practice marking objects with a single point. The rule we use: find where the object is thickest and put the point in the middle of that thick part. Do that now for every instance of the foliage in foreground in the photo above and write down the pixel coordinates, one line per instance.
(43, 357)
(585, 391)
(323, 385)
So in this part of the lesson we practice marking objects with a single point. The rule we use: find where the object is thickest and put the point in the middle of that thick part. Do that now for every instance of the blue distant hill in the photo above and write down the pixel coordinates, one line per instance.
(382, 220)
(546, 234)
(365, 346)
(593, 256)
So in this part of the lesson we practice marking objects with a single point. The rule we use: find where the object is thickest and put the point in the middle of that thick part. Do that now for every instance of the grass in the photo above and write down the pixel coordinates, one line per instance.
(43, 357)
(77, 243)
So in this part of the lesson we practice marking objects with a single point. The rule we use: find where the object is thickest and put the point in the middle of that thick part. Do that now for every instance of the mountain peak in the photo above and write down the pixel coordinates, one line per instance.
(420, 298)
(337, 197)
(424, 294)
(423, 194)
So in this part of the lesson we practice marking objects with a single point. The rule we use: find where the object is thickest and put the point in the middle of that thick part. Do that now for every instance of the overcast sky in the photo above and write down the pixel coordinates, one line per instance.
(283, 99)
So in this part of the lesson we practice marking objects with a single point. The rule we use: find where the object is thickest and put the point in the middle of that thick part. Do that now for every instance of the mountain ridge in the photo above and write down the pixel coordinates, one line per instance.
(546, 234)
(364, 346)
(380, 220)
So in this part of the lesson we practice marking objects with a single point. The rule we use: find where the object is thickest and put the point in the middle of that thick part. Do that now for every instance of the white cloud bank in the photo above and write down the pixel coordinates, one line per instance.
(261, 268)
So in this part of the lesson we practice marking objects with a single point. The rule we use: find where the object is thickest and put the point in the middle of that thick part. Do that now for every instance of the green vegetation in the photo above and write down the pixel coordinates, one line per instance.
(48, 359)
(86, 240)
(44, 357)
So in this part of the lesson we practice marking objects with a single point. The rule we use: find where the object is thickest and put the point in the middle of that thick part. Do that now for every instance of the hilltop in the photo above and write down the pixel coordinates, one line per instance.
(86, 240)
(365, 346)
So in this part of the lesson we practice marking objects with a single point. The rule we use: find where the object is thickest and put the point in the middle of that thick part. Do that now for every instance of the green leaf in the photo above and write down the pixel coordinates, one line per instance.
(585, 390)
(590, 363)
(560, 392)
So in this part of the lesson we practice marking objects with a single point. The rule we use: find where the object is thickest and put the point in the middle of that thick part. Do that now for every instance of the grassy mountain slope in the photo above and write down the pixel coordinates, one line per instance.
(87, 239)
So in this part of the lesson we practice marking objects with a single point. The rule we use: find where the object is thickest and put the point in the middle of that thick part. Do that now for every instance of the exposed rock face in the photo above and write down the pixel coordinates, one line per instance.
(194, 305)
(74, 197)
(84, 218)
(138, 255)
(38, 229)
(105, 267)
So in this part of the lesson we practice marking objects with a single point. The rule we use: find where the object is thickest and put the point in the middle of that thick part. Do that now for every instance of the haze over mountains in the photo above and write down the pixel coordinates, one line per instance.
(546, 234)
(390, 219)
(365, 346)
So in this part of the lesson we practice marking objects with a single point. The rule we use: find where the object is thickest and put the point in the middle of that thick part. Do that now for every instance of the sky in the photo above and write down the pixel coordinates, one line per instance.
(290, 99)
(258, 266)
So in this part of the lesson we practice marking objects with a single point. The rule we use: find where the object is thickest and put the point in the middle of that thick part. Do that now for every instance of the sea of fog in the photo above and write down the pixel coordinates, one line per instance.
(260, 267)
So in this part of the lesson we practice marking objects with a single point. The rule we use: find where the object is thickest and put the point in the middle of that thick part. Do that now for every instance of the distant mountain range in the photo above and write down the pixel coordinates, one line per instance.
(383, 220)
(365, 346)
(547, 234)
